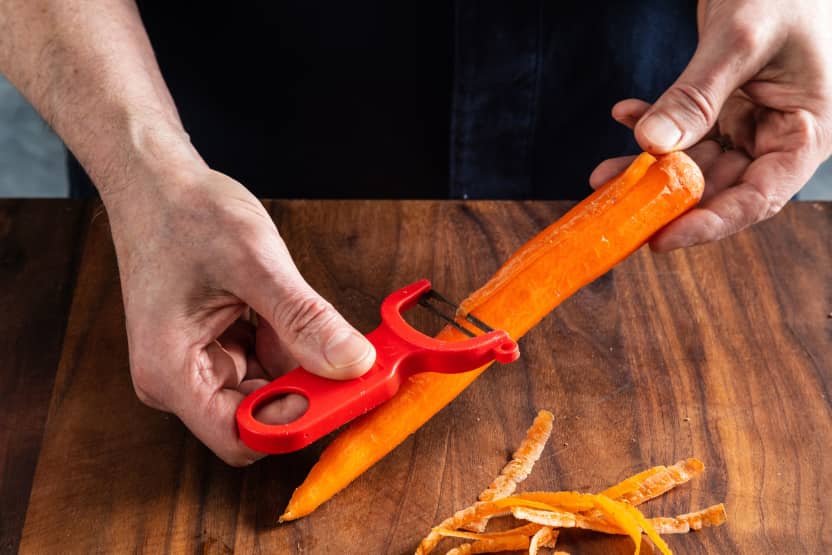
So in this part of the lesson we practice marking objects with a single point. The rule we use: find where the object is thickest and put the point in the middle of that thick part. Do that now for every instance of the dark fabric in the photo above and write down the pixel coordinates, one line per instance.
(535, 82)
(312, 99)
(80, 185)
(373, 99)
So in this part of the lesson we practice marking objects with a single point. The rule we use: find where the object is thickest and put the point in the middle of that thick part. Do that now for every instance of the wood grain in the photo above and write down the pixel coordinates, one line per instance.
(721, 352)
(39, 247)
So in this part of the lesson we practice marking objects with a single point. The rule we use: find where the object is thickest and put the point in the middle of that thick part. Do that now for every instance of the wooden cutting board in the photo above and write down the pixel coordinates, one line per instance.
(723, 352)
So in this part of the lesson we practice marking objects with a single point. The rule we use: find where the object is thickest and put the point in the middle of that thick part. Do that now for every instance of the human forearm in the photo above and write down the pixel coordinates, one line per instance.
(89, 69)
(194, 247)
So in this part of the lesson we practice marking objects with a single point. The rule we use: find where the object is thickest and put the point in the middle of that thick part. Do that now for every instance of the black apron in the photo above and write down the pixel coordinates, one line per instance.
(372, 99)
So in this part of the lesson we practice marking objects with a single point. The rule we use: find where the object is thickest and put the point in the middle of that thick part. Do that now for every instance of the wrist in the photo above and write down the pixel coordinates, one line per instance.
(137, 150)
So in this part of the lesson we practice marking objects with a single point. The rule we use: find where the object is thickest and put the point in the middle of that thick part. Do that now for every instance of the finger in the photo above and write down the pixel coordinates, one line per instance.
(738, 122)
(255, 370)
(231, 351)
(274, 356)
(704, 154)
(728, 212)
(278, 411)
(216, 427)
(608, 169)
(729, 54)
(233, 368)
(725, 171)
(209, 407)
(313, 332)
(228, 363)
(628, 112)
(767, 184)
(283, 410)
(249, 386)
(241, 334)
(211, 413)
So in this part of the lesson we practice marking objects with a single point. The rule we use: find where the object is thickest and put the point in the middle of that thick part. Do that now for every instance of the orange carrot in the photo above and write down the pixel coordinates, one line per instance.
(585, 243)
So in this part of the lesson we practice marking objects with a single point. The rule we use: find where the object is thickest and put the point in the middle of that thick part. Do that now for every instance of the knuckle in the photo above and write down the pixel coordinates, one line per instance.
(145, 385)
(698, 102)
(805, 131)
(303, 315)
(263, 256)
(746, 36)
(143, 396)
(765, 205)
(773, 205)
(142, 386)
(143, 341)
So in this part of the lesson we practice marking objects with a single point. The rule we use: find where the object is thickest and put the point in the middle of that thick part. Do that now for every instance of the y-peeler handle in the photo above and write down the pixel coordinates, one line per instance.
(400, 352)
(331, 403)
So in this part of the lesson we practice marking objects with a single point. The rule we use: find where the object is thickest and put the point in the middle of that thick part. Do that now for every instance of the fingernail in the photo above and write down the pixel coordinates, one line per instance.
(346, 348)
(661, 132)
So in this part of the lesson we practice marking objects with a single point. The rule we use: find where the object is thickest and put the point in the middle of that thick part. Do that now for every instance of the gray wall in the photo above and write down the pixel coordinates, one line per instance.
(820, 187)
(32, 160)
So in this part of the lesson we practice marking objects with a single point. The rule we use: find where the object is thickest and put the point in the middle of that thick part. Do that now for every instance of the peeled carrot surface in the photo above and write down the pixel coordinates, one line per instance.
(585, 243)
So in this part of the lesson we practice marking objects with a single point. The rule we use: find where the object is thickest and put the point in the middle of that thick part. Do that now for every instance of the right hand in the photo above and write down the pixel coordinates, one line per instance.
(195, 250)
(760, 80)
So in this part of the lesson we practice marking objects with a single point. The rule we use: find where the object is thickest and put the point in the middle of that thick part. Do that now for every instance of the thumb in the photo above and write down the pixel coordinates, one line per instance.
(727, 57)
(313, 332)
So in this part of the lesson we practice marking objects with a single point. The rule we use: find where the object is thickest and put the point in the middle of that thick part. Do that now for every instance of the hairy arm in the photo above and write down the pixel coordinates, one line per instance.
(194, 247)
(89, 69)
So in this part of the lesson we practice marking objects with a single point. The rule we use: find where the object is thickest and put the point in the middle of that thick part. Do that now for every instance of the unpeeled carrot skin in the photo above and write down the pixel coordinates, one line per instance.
(585, 243)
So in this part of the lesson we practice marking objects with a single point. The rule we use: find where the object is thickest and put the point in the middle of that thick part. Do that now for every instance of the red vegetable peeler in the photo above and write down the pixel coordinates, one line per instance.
(400, 352)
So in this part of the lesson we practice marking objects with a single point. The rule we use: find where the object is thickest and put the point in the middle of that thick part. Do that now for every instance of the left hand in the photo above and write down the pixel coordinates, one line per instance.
(761, 78)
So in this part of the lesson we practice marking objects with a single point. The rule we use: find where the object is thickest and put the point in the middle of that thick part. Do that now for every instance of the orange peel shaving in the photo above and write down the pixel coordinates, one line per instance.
(632, 484)
(520, 466)
(612, 511)
(507, 543)
(525, 530)
(663, 481)
(682, 524)
(552, 519)
(545, 537)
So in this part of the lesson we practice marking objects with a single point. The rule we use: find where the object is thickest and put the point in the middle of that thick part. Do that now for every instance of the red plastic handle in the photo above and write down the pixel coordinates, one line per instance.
(400, 352)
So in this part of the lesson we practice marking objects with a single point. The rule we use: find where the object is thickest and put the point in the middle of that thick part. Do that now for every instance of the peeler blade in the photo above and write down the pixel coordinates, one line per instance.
(431, 299)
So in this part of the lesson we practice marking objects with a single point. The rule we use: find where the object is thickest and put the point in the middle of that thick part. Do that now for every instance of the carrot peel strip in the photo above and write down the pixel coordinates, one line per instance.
(552, 519)
(525, 530)
(559, 501)
(546, 513)
(460, 518)
(545, 537)
(630, 485)
(710, 516)
(663, 481)
(507, 543)
(520, 466)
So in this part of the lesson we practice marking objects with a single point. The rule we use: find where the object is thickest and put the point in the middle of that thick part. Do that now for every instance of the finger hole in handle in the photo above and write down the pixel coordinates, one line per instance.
(281, 409)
